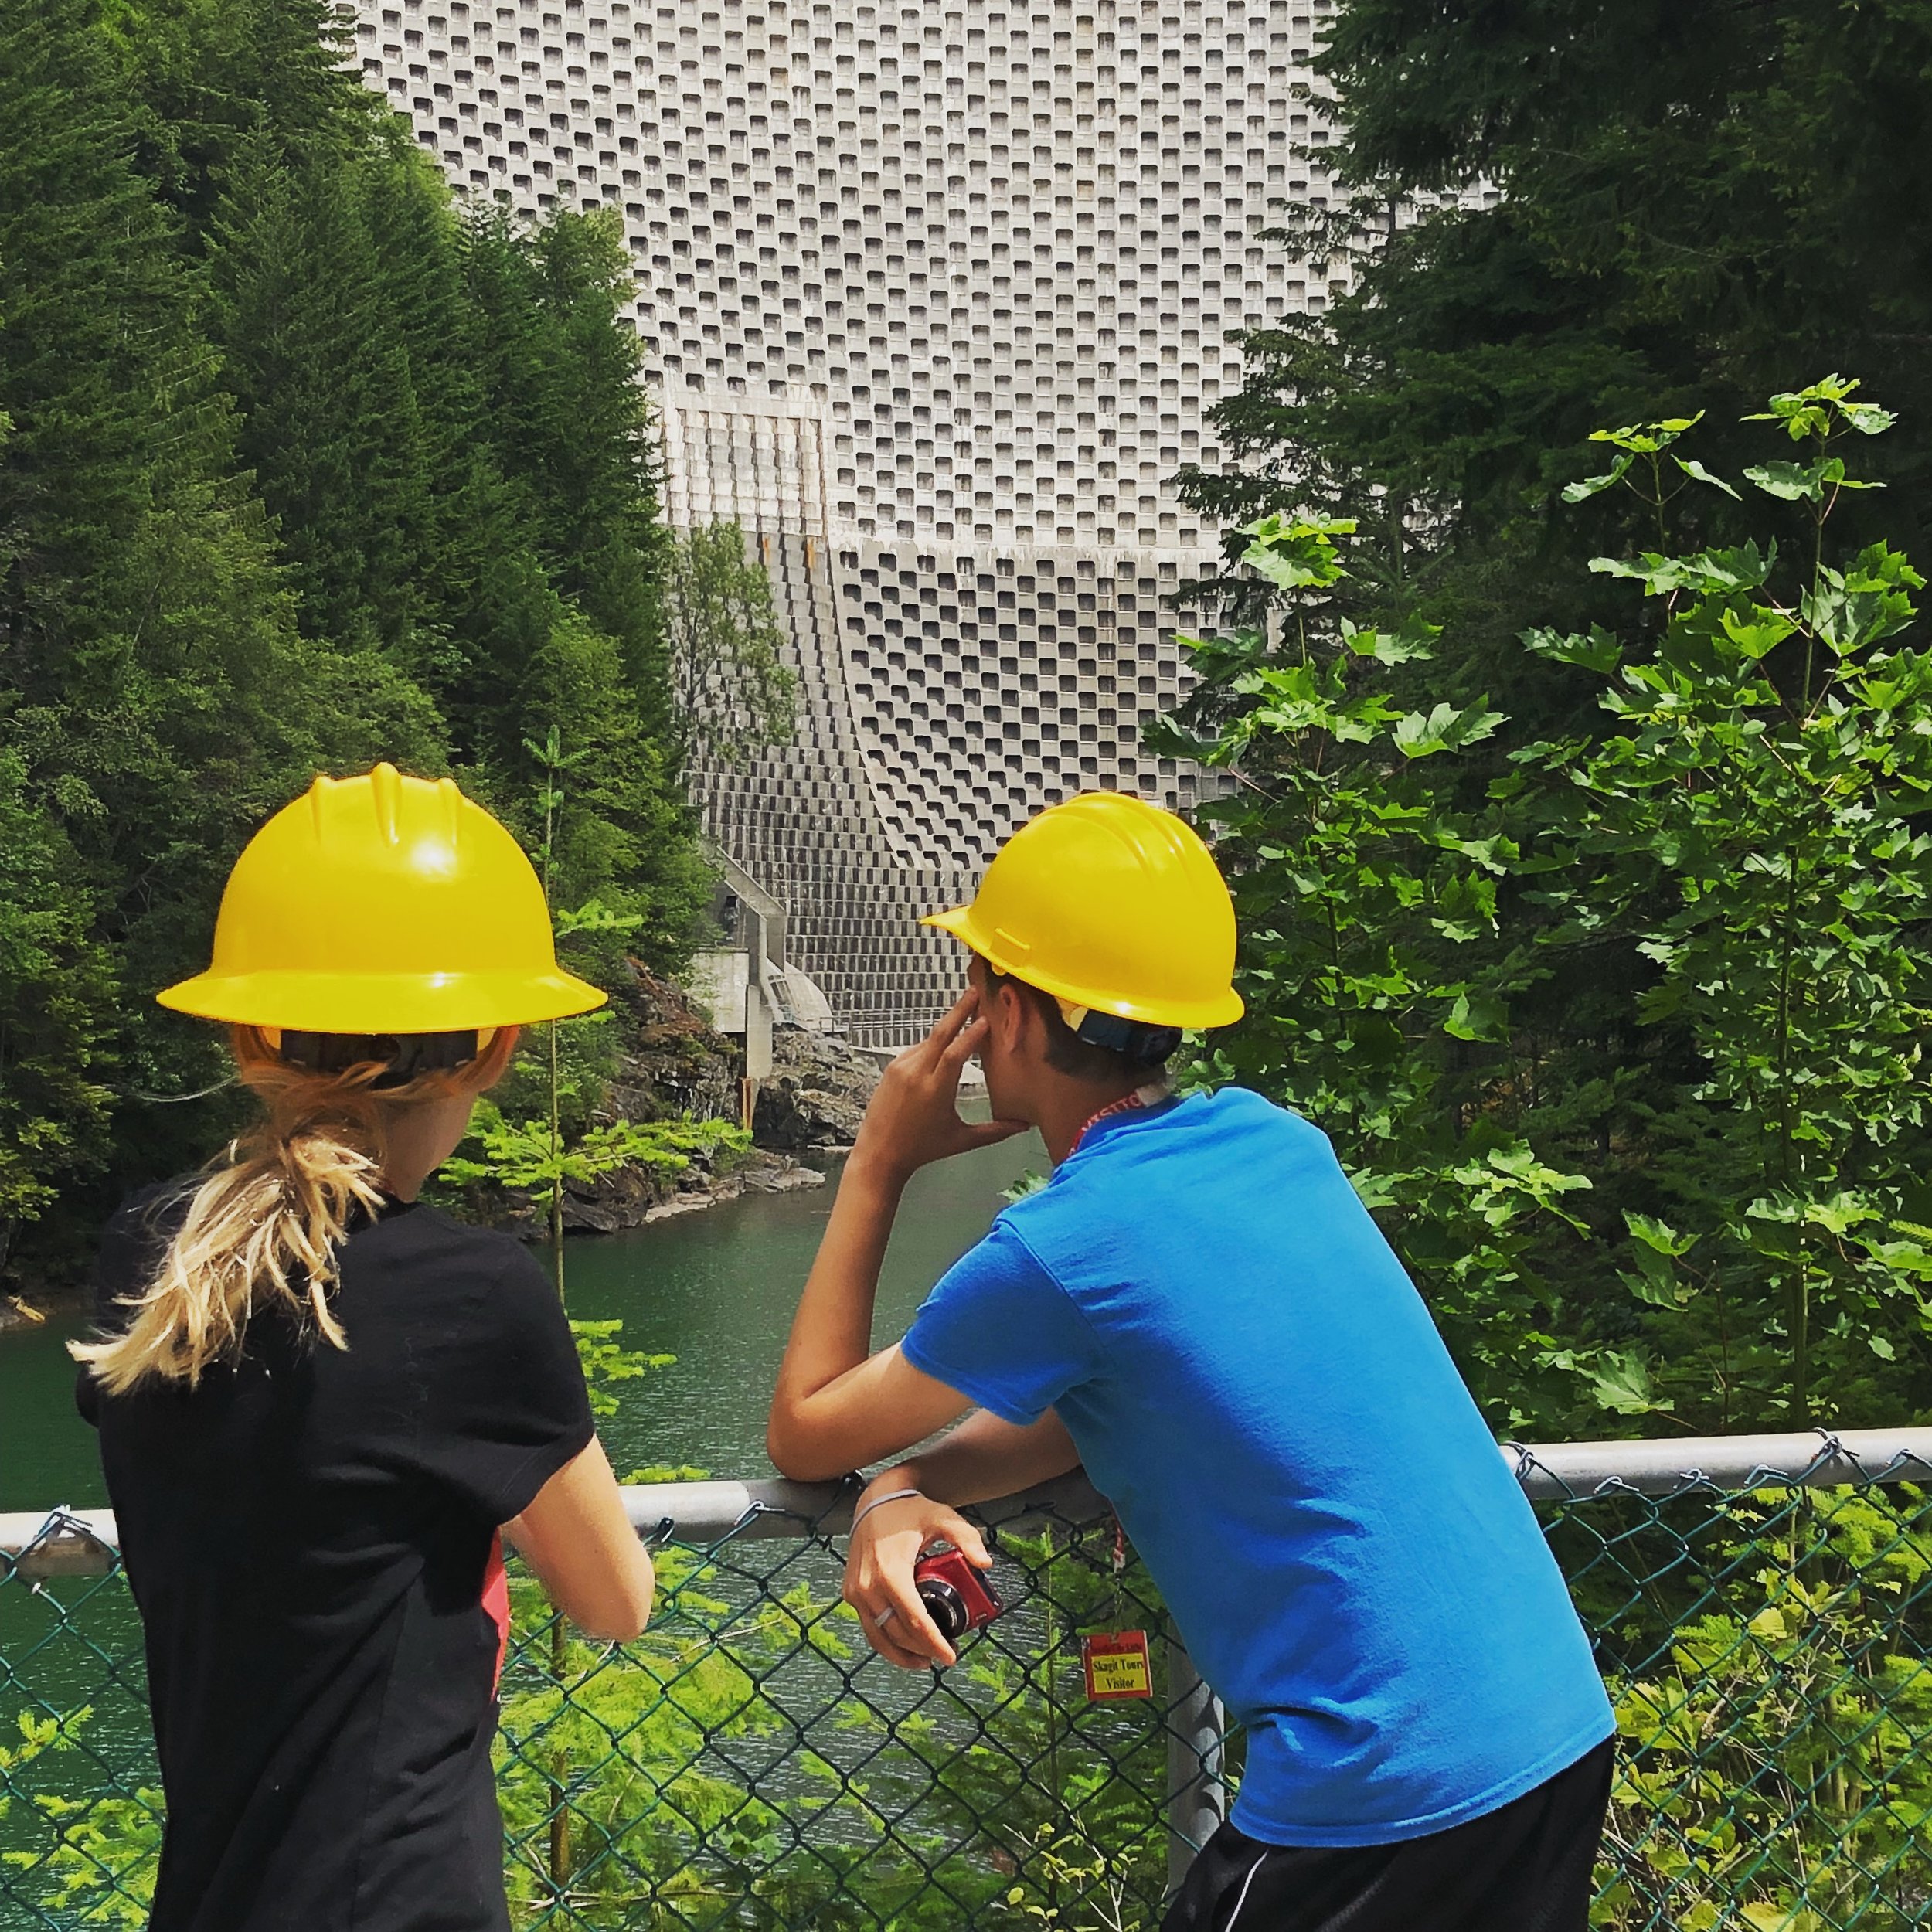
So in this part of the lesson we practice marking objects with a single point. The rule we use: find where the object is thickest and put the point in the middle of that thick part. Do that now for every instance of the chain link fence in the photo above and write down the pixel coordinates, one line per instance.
(1759, 1607)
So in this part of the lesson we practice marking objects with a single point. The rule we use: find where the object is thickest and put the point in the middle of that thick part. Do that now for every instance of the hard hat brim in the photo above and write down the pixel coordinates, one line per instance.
(1004, 954)
(382, 1002)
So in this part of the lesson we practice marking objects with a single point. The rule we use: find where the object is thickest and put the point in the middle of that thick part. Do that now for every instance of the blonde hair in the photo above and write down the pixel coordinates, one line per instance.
(264, 1225)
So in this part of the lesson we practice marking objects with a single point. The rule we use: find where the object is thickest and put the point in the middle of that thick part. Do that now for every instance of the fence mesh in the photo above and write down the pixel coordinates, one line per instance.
(748, 1763)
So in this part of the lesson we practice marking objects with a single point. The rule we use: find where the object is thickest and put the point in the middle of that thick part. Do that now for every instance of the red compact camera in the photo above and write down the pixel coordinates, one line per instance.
(956, 1593)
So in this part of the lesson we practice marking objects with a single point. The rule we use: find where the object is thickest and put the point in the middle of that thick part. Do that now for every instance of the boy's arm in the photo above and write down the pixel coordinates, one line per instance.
(837, 1405)
(983, 1458)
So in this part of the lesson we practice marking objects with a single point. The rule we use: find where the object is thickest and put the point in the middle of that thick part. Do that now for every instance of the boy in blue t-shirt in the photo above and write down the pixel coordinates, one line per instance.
(1199, 1309)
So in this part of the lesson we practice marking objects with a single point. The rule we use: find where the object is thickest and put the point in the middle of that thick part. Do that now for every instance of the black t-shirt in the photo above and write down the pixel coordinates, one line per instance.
(307, 1536)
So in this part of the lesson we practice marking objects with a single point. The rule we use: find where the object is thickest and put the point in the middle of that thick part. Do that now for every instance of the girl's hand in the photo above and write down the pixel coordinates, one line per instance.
(913, 1117)
(878, 1574)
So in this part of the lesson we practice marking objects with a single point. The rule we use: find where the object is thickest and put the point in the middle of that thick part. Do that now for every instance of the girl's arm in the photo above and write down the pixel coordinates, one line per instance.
(577, 1538)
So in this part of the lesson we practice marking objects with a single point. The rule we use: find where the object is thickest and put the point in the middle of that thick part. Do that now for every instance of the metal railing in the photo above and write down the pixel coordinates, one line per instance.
(1761, 1607)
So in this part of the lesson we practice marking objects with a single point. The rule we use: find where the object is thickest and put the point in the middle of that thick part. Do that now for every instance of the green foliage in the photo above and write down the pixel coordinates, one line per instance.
(1071, 1865)
(606, 1360)
(627, 1789)
(102, 1865)
(734, 690)
(1751, 819)
(38, 1735)
(519, 1154)
(55, 991)
(566, 1136)
(626, 1750)
(1775, 1760)
(1732, 849)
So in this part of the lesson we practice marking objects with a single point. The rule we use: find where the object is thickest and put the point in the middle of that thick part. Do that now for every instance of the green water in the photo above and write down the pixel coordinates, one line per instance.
(716, 1289)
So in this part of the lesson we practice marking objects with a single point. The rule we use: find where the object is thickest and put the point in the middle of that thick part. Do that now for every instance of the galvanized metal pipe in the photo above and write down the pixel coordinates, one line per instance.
(704, 1512)
(83, 1542)
(1816, 1458)
(1197, 1798)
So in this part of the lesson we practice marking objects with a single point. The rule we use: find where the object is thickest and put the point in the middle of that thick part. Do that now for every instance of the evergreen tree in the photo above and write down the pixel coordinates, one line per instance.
(568, 417)
(330, 427)
(1556, 216)
(156, 700)
(565, 413)
(305, 470)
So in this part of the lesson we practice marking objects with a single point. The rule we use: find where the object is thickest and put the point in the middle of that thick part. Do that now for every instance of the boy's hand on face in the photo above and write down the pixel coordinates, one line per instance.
(879, 1576)
(913, 1117)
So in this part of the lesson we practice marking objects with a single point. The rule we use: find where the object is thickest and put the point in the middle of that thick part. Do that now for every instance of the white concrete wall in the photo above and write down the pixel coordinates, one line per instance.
(934, 299)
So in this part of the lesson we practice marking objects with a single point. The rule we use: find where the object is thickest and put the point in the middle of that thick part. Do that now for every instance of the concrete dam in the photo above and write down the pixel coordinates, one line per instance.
(934, 299)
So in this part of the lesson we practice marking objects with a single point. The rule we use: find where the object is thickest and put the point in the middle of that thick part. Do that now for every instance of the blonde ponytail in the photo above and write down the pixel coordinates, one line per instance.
(263, 1226)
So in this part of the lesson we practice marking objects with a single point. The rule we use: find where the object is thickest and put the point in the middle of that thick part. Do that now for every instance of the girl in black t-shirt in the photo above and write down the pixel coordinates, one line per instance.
(320, 1402)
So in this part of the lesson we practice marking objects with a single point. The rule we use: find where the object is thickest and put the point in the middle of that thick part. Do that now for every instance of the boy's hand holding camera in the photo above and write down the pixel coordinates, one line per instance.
(889, 1535)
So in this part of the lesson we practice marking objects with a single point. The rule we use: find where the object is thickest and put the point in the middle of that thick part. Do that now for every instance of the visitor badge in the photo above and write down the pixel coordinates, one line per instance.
(1117, 1665)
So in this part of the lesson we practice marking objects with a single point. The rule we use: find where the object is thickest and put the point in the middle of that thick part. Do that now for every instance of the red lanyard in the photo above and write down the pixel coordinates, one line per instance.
(1142, 1096)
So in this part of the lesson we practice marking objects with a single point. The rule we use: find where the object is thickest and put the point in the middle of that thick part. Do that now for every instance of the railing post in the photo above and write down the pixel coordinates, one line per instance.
(1197, 1801)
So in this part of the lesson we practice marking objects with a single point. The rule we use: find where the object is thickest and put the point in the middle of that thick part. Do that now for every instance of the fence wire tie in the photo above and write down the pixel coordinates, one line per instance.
(61, 1522)
(666, 1528)
(754, 1509)
(1830, 1445)
(1526, 1462)
(1623, 1486)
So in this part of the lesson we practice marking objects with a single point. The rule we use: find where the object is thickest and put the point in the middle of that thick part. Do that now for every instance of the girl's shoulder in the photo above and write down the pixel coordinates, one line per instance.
(428, 1235)
(417, 1259)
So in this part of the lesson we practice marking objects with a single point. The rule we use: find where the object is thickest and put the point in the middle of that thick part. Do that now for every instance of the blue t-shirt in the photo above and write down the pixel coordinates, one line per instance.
(1254, 1382)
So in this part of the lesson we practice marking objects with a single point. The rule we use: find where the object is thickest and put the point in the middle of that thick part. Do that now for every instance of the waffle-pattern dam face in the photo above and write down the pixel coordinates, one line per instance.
(934, 300)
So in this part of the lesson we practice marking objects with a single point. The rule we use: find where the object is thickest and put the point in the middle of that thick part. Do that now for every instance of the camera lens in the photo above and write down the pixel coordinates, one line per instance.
(946, 1605)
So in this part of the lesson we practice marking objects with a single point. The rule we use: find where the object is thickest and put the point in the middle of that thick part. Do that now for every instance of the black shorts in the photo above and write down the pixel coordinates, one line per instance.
(1525, 1868)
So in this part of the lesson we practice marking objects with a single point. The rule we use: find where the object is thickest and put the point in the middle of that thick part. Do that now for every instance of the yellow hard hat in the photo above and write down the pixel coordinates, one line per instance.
(383, 904)
(1108, 903)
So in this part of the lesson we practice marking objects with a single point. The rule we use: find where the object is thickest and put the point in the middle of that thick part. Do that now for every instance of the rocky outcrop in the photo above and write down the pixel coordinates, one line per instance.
(672, 1065)
(634, 1198)
(816, 1095)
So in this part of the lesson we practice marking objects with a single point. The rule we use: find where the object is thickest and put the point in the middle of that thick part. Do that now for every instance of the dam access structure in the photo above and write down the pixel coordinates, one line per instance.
(935, 296)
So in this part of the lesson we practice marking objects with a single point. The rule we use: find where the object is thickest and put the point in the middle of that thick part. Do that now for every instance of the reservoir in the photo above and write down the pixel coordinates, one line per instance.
(716, 1288)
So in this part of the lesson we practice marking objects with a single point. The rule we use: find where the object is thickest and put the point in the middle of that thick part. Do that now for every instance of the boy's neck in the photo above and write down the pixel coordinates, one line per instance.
(1066, 1105)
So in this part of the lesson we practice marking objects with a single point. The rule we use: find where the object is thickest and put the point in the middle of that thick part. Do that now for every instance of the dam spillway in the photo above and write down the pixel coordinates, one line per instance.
(934, 300)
